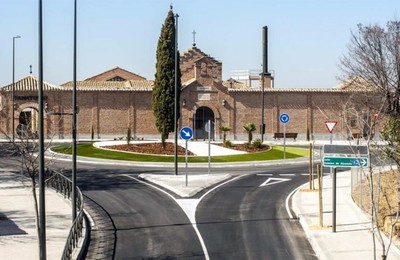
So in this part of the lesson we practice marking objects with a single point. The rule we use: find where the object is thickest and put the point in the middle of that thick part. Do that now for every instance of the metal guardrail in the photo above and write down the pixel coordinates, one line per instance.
(63, 185)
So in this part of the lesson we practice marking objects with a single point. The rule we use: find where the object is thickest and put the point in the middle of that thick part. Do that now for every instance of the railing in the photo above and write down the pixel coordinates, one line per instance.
(63, 185)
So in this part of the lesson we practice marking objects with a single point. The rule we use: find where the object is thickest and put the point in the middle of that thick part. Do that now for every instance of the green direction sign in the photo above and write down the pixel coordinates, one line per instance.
(345, 161)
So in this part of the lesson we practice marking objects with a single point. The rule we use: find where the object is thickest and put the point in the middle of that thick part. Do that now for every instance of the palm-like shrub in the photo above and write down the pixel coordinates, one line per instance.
(224, 129)
(249, 128)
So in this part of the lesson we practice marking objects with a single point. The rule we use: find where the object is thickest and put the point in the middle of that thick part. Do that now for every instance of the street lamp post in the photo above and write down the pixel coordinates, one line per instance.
(42, 201)
(74, 112)
(13, 89)
(176, 99)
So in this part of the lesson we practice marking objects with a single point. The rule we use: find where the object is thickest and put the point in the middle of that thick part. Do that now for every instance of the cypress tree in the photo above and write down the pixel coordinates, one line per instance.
(164, 84)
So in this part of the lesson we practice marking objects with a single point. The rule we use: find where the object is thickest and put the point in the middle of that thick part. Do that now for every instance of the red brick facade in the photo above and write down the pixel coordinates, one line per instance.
(107, 109)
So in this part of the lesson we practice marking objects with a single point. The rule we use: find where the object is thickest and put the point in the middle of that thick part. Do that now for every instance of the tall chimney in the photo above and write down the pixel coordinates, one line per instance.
(265, 49)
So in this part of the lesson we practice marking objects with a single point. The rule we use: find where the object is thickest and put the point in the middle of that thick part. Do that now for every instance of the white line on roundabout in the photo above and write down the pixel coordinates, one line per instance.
(189, 208)
(287, 201)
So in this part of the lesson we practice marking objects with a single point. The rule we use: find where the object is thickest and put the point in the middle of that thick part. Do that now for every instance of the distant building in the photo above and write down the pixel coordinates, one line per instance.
(115, 100)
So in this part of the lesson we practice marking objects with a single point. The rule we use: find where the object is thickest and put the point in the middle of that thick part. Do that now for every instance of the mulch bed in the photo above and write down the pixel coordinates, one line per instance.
(156, 148)
(150, 148)
(249, 149)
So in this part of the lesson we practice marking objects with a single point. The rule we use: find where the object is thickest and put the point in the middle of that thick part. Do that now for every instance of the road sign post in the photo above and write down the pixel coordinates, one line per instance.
(343, 156)
(284, 119)
(208, 128)
(334, 200)
(186, 133)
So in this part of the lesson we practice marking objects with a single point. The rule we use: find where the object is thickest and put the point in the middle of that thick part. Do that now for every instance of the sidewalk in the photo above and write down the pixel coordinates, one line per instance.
(353, 237)
(18, 235)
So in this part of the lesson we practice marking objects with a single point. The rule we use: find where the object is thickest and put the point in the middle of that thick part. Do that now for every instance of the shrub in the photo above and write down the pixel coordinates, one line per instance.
(257, 143)
(228, 143)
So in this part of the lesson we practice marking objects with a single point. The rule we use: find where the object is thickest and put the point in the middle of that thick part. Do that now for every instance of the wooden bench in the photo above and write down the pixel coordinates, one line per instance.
(287, 135)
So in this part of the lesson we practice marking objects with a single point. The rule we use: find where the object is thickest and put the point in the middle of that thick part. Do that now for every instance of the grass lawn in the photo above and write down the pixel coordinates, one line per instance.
(276, 153)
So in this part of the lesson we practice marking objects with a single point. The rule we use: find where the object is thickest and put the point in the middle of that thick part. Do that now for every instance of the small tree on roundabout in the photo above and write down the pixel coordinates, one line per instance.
(249, 128)
(224, 129)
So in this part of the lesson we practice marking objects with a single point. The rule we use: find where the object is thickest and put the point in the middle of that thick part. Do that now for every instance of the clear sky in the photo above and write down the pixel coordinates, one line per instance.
(306, 37)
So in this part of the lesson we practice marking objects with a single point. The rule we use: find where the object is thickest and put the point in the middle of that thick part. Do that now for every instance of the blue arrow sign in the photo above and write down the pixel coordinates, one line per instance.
(186, 133)
(284, 118)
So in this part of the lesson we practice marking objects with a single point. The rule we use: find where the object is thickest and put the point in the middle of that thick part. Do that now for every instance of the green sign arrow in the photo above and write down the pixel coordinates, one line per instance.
(345, 162)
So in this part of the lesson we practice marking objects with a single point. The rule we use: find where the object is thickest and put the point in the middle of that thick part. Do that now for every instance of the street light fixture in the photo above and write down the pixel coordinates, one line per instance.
(13, 89)
(176, 98)
(41, 183)
(74, 112)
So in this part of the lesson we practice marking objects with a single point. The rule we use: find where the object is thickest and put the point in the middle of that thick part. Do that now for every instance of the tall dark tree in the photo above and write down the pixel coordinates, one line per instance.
(164, 84)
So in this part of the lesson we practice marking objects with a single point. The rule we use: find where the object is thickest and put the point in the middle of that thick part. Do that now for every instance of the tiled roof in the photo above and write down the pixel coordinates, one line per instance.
(356, 83)
(294, 90)
(30, 83)
(131, 85)
(236, 86)
(117, 71)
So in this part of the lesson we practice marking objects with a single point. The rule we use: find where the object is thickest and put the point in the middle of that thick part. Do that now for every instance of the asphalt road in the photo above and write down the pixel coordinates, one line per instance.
(148, 224)
(240, 220)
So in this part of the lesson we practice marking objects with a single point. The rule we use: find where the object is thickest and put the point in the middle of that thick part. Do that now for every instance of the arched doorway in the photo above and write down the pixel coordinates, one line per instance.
(28, 123)
(202, 116)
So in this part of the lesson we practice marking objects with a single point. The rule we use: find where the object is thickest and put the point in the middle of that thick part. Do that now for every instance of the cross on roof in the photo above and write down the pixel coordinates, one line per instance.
(194, 37)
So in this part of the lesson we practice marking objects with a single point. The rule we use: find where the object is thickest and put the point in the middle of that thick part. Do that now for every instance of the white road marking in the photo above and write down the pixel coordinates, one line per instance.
(287, 174)
(264, 174)
(189, 206)
(287, 202)
(271, 181)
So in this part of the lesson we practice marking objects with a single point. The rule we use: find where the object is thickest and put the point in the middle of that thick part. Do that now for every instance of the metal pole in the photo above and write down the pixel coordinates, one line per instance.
(194, 122)
(334, 201)
(321, 215)
(262, 126)
(284, 141)
(73, 198)
(13, 90)
(186, 161)
(263, 73)
(209, 146)
(42, 202)
(330, 142)
(310, 166)
(176, 98)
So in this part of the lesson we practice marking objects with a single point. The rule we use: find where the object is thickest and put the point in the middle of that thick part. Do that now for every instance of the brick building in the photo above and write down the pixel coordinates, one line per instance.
(115, 100)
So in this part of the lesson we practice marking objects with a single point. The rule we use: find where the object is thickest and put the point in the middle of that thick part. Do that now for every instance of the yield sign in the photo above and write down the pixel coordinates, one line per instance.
(330, 125)
(271, 181)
